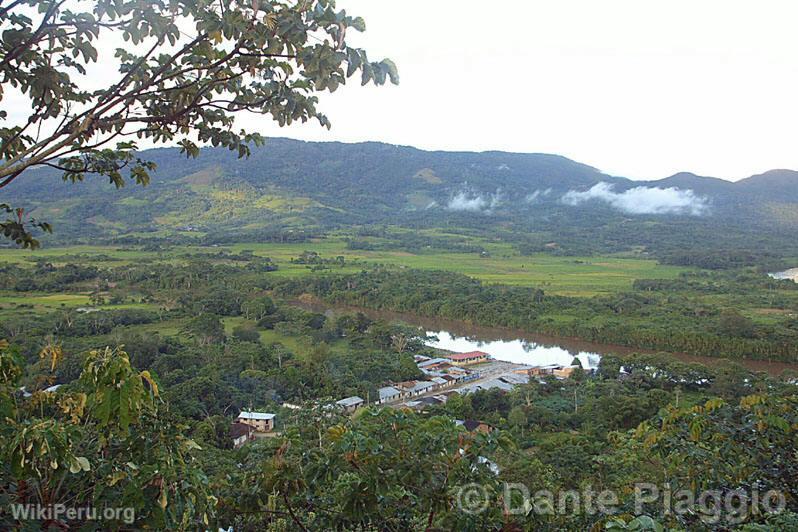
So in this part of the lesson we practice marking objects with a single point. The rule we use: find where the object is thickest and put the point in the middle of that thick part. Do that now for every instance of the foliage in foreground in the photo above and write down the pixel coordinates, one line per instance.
(193, 66)
(106, 442)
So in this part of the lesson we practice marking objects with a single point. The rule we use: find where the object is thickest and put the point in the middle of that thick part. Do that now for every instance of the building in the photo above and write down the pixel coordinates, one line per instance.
(564, 372)
(472, 425)
(561, 372)
(431, 401)
(260, 421)
(388, 394)
(350, 404)
(486, 385)
(422, 387)
(464, 359)
(540, 371)
(461, 374)
(433, 362)
(515, 378)
(496, 383)
(241, 433)
(439, 382)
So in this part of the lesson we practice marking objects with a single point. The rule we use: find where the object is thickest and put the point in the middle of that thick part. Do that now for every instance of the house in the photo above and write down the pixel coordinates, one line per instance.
(461, 374)
(241, 433)
(564, 372)
(431, 401)
(540, 371)
(422, 387)
(465, 359)
(388, 394)
(473, 425)
(514, 378)
(433, 362)
(561, 372)
(486, 385)
(439, 382)
(420, 358)
(496, 383)
(413, 388)
(260, 421)
(350, 404)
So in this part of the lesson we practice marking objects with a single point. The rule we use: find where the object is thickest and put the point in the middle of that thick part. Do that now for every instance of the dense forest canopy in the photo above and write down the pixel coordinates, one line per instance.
(146, 426)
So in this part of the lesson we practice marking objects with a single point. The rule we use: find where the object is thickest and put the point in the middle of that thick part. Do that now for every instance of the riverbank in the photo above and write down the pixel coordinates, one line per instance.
(479, 335)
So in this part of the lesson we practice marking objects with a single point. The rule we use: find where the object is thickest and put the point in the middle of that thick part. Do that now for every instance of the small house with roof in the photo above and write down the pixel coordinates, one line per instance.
(388, 394)
(241, 433)
(350, 404)
(260, 421)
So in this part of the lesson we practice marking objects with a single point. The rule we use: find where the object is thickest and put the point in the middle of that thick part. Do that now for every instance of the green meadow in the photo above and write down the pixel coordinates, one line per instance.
(574, 276)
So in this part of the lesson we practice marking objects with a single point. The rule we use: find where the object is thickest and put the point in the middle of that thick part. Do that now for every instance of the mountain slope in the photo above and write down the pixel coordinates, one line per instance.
(290, 186)
(777, 185)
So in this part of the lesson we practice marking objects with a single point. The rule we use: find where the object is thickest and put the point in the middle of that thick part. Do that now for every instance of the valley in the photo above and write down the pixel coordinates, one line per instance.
(251, 283)
(293, 322)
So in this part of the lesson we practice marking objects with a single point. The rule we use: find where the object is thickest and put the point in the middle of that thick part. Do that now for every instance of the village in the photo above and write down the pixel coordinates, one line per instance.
(446, 375)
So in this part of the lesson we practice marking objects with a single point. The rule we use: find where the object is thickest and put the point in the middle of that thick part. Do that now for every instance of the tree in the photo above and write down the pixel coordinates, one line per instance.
(734, 324)
(258, 308)
(246, 333)
(187, 68)
(382, 470)
(105, 442)
(517, 418)
(206, 329)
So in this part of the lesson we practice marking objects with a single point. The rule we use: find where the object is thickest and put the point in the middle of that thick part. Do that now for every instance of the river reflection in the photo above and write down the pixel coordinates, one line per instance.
(519, 346)
(786, 274)
(518, 351)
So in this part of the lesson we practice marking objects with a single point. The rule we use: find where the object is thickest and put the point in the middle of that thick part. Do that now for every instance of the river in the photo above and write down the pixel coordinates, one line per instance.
(518, 346)
(516, 350)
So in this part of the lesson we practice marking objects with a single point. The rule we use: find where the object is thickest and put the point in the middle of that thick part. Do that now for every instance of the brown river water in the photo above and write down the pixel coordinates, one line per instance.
(518, 346)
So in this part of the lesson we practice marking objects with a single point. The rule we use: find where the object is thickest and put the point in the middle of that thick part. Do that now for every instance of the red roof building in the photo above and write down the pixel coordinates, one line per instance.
(473, 357)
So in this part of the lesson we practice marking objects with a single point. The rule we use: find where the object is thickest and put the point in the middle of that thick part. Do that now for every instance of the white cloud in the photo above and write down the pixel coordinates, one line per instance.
(463, 201)
(469, 201)
(642, 200)
(537, 195)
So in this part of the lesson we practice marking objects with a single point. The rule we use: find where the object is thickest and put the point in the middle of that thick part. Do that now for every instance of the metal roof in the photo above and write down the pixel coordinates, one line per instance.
(255, 415)
(432, 361)
(388, 391)
(514, 378)
(423, 385)
(350, 401)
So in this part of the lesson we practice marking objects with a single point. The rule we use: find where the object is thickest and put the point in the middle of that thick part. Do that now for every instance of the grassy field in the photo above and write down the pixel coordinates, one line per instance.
(50, 301)
(577, 276)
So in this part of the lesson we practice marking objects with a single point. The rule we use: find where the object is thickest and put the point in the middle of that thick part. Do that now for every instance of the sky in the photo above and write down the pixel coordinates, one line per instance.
(637, 88)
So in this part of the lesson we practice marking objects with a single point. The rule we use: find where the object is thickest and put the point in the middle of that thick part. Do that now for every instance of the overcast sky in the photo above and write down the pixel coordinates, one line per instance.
(637, 88)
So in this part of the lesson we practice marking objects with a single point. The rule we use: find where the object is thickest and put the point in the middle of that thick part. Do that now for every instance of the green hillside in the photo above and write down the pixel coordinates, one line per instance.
(377, 193)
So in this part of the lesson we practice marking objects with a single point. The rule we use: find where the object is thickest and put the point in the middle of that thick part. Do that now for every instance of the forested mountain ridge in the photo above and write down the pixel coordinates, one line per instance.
(291, 185)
